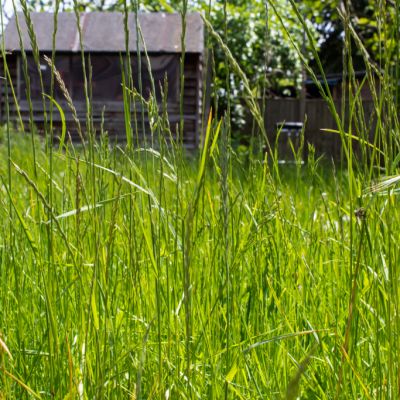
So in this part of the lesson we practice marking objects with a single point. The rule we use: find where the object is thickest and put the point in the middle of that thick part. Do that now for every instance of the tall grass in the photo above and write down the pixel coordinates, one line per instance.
(143, 272)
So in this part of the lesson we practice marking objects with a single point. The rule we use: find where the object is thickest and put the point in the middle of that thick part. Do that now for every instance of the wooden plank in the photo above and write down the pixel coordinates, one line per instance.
(198, 107)
(18, 73)
(97, 106)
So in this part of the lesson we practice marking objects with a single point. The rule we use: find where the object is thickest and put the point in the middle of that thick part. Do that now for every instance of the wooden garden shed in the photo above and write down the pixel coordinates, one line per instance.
(104, 44)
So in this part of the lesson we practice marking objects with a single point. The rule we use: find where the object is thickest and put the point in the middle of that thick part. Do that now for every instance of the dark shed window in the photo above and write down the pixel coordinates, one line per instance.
(106, 82)
(106, 77)
(62, 63)
(36, 89)
(63, 66)
(162, 67)
(75, 82)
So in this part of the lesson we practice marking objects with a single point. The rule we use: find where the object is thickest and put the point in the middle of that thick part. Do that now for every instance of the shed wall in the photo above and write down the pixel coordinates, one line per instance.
(12, 68)
(107, 103)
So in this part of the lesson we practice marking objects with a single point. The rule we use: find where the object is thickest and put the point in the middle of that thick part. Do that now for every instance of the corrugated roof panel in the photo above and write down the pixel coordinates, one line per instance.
(104, 32)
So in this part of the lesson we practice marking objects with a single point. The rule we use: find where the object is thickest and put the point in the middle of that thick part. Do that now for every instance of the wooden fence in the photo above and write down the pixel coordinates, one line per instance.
(318, 117)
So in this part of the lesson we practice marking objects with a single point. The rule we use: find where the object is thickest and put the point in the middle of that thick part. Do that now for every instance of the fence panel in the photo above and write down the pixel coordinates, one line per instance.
(319, 117)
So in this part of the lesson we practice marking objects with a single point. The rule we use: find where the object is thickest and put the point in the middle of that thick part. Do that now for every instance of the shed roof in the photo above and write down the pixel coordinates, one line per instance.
(104, 32)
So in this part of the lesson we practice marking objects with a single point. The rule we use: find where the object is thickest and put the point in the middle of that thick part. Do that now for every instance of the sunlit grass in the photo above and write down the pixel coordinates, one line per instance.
(130, 272)
(104, 312)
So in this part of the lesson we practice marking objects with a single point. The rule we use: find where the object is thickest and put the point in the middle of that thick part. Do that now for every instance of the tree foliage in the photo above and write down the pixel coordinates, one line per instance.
(371, 19)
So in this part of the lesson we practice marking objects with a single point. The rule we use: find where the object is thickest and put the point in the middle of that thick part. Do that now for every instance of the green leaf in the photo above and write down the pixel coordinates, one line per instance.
(94, 312)
(231, 374)
(167, 7)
